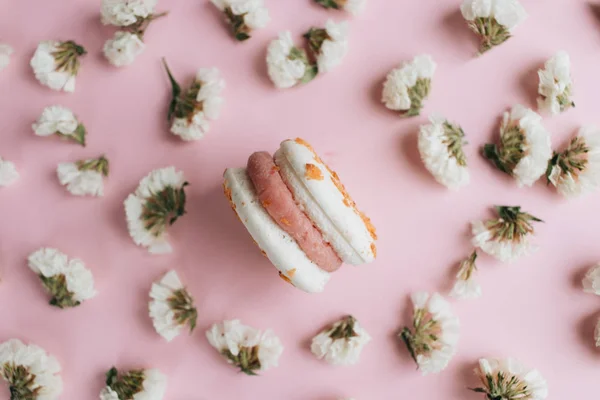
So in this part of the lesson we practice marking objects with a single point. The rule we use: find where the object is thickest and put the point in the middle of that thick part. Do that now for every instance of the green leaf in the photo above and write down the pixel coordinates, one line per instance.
(175, 91)
(553, 161)
(80, 133)
(310, 73)
(407, 338)
(241, 36)
(111, 377)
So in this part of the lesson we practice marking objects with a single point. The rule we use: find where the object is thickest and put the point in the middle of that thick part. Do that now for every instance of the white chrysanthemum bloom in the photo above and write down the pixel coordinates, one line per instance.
(493, 20)
(56, 64)
(8, 173)
(351, 6)
(157, 203)
(171, 307)
(244, 16)
(524, 149)
(591, 281)
(576, 170)
(247, 348)
(84, 177)
(59, 120)
(555, 86)
(68, 281)
(123, 48)
(466, 287)
(191, 111)
(5, 52)
(329, 45)
(406, 87)
(287, 64)
(507, 237)
(126, 12)
(433, 338)
(136, 384)
(509, 379)
(342, 343)
(441, 148)
(30, 372)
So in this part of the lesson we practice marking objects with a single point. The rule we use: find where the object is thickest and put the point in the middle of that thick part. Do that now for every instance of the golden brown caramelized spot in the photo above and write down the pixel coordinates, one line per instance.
(374, 249)
(291, 272)
(227, 192)
(369, 225)
(313, 172)
(274, 169)
(347, 202)
(266, 203)
(285, 278)
(264, 253)
(285, 221)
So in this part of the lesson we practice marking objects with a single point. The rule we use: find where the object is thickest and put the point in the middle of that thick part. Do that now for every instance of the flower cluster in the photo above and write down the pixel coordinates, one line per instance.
(434, 334)
(465, 286)
(524, 149)
(56, 64)
(342, 343)
(133, 18)
(493, 20)
(289, 65)
(171, 307)
(137, 384)
(508, 379)
(576, 170)
(8, 172)
(351, 6)
(68, 281)
(247, 348)
(507, 237)
(190, 111)
(60, 121)
(556, 84)
(406, 88)
(84, 177)
(441, 147)
(243, 16)
(5, 53)
(30, 372)
(157, 203)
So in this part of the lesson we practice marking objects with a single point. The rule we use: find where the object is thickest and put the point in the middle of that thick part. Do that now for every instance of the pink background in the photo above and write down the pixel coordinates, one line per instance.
(534, 310)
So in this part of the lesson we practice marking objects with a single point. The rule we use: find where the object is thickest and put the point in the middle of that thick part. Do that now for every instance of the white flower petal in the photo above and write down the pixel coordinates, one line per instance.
(56, 119)
(5, 53)
(8, 173)
(123, 48)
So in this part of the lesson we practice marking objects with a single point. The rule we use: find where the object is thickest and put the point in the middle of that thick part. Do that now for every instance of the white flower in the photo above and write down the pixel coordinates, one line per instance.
(525, 147)
(247, 348)
(591, 281)
(509, 379)
(493, 20)
(555, 86)
(123, 48)
(56, 64)
(84, 177)
(465, 286)
(30, 371)
(406, 87)
(244, 16)
(68, 281)
(342, 343)
(108, 394)
(157, 203)
(126, 12)
(58, 120)
(576, 170)
(334, 48)
(171, 307)
(506, 238)
(352, 6)
(433, 338)
(5, 52)
(8, 173)
(441, 148)
(286, 63)
(153, 384)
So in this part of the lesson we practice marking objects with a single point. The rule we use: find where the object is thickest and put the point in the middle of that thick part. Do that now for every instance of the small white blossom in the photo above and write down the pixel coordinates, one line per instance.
(333, 48)
(342, 343)
(591, 281)
(145, 384)
(157, 203)
(59, 120)
(555, 86)
(509, 379)
(8, 173)
(466, 287)
(68, 281)
(441, 149)
(171, 307)
(576, 170)
(247, 348)
(244, 16)
(287, 64)
(5, 52)
(351, 6)
(30, 372)
(524, 149)
(56, 64)
(406, 87)
(126, 12)
(434, 334)
(123, 48)
(493, 20)
(84, 177)
(507, 237)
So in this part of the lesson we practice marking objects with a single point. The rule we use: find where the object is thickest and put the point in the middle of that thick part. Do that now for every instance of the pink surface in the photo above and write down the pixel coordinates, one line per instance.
(534, 310)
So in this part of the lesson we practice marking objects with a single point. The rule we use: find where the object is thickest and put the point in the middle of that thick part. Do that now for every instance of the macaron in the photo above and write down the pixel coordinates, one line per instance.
(300, 215)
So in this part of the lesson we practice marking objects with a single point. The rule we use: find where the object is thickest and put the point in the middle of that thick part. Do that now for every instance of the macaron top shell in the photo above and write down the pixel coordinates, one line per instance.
(320, 194)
